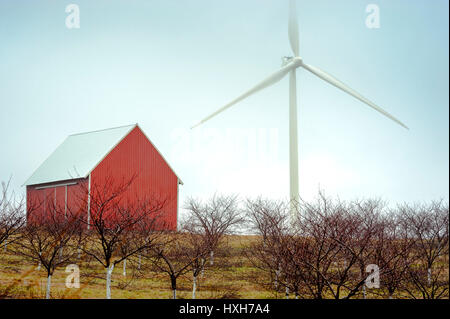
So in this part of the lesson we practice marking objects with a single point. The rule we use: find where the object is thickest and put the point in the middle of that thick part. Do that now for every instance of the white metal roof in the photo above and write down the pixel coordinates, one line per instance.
(78, 155)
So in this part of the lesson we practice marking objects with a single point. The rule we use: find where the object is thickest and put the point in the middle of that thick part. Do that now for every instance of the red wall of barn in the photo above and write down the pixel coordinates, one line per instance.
(52, 198)
(135, 154)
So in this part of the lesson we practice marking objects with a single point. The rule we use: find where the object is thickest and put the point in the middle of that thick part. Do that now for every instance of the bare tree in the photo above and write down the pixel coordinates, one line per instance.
(12, 216)
(196, 249)
(120, 226)
(323, 252)
(215, 219)
(175, 255)
(272, 253)
(428, 273)
(49, 238)
(392, 252)
(339, 238)
(318, 223)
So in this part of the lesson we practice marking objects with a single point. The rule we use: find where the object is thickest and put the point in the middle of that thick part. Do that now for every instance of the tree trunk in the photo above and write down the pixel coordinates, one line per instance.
(60, 254)
(39, 264)
(211, 258)
(139, 262)
(203, 267)
(173, 281)
(124, 267)
(79, 253)
(49, 283)
(429, 276)
(287, 292)
(363, 287)
(194, 286)
(6, 245)
(277, 274)
(109, 271)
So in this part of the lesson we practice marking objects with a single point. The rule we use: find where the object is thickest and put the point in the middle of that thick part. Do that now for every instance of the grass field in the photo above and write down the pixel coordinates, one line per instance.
(231, 276)
(21, 279)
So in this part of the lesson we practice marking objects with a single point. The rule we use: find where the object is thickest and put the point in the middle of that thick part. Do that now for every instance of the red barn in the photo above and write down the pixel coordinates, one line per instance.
(117, 153)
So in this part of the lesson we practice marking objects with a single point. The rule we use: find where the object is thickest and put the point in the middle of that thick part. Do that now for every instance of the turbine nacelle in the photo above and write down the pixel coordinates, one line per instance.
(297, 61)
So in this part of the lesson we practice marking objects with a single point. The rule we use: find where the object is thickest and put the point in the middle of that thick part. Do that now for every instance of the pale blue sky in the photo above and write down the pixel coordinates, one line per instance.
(167, 64)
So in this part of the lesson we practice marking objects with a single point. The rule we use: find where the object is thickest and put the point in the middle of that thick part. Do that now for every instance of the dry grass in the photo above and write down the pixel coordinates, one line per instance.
(21, 279)
(233, 279)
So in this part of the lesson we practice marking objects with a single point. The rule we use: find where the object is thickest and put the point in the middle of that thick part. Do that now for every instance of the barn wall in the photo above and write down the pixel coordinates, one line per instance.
(52, 199)
(154, 179)
(77, 198)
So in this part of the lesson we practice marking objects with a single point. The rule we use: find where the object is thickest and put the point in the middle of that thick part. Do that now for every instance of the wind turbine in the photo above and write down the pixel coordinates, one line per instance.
(290, 65)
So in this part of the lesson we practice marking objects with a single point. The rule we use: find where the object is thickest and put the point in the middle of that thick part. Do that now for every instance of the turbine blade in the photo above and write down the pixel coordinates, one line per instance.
(270, 80)
(332, 80)
(293, 28)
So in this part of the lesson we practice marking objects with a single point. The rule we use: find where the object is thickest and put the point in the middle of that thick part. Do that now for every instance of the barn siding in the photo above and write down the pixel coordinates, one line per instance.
(60, 199)
(57, 195)
(135, 154)
(77, 197)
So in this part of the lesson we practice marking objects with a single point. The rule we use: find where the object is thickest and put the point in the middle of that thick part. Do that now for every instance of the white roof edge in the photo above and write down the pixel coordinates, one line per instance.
(132, 126)
(105, 129)
(25, 183)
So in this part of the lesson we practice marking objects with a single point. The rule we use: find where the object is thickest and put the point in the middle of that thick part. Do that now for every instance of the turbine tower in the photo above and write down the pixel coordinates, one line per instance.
(290, 65)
